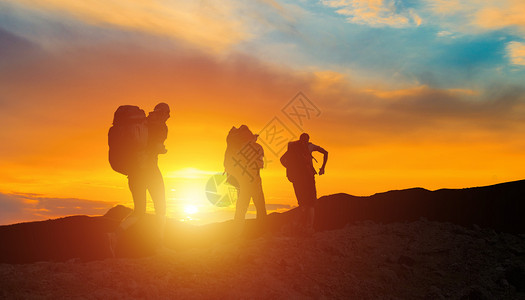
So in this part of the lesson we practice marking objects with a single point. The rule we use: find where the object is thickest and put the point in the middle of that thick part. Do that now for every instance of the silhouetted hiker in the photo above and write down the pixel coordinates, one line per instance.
(300, 171)
(242, 162)
(133, 151)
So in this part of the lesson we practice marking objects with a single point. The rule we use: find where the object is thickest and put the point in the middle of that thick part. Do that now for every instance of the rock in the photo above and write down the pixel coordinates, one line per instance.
(434, 293)
(474, 293)
(440, 273)
(515, 275)
(118, 212)
(333, 250)
(406, 260)
(504, 283)
(389, 275)
(283, 263)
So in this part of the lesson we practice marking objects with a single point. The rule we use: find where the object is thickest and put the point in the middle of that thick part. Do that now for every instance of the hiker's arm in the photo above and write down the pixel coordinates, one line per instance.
(325, 159)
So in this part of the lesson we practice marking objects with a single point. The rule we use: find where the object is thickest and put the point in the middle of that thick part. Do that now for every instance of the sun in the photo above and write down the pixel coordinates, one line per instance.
(191, 209)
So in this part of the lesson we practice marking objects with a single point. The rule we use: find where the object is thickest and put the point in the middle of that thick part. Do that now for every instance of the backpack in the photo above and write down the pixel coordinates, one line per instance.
(127, 139)
(298, 161)
(236, 139)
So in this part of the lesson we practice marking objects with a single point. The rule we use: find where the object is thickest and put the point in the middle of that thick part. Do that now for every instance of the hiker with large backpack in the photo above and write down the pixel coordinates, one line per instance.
(301, 173)
(134, 144)
(243, 160)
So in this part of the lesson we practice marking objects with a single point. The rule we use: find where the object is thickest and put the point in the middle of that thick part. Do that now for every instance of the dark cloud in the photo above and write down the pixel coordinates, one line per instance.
(16, 49)
(419, 114)
(445, 105)
(11, 208)
(13, 45)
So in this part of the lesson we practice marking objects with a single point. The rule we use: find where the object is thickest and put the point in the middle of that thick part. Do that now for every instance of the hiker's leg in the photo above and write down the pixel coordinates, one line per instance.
(299, 189)
(243, 201)
(158, 196)
(312, 199)
(157, 191)
(306, 197)
(258, 199)
(137, 186)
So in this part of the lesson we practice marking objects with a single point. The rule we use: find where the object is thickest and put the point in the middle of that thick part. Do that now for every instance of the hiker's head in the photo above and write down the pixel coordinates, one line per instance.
(304, 138)
(162, 107)
(162, 110)
(247, 133)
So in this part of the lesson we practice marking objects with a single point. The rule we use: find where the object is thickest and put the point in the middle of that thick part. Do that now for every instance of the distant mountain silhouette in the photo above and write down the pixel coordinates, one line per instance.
(500, 207)
(60, 239)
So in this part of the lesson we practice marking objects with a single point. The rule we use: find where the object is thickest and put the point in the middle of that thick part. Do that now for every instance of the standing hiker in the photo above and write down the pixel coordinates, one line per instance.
(300, 171)
(243, 160)
(134, 144)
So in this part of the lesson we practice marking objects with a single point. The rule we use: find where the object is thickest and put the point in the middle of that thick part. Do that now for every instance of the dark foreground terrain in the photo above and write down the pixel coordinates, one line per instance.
(410, 244)
(415, 260)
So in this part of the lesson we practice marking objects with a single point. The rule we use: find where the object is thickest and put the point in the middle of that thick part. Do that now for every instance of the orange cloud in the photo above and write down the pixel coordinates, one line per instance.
(375, 13)
(396, 94)
(443, 7)
(203, 23)
(473, 16)
(516, 53)
(500, 14)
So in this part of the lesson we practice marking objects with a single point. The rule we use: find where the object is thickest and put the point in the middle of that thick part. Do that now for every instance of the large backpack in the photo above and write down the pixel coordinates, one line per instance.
(298, 161)
(237, 138)
(127, 139)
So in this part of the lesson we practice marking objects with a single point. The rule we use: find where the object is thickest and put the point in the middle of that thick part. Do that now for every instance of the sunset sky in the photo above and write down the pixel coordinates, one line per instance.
(403, 94)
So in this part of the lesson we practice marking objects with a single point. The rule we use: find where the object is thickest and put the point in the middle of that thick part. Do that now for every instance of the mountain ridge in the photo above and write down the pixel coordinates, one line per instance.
(499, 207)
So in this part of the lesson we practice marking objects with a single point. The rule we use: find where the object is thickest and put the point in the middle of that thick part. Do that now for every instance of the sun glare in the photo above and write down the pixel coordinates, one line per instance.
(191, 209)
(189, 173)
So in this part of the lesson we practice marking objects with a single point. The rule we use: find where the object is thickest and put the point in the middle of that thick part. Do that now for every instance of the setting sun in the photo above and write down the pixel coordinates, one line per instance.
(191, 209)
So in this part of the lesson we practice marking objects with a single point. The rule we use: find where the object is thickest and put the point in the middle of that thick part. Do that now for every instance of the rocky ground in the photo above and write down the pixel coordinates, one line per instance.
(417, 260)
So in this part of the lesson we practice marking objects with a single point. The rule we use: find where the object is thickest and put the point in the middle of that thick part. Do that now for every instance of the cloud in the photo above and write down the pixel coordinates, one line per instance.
(14, 47)
(499, 14)
(231, 90)
(444, 33)
(516, 53)
(474, 16)
(444, 7)
(375, 13)
(421, 114)
(393, 94)
(202, 23)
(206, 24)
(470, 16)
(22, 207)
